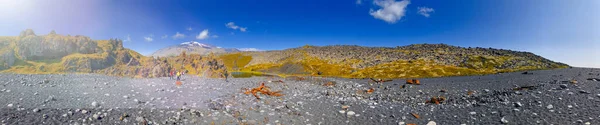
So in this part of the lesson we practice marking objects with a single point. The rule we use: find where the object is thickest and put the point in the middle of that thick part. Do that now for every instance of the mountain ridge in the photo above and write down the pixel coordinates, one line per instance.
(191, 47)
(53, 53)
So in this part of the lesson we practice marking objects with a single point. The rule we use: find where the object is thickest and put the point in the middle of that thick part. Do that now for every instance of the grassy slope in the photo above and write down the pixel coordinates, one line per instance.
(314, 66)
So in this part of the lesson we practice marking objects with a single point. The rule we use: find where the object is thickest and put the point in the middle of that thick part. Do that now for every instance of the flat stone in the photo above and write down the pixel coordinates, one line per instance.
(518, 104)
(95, 104)
(503, 120)
(563, 86)
(351, 113)
(431, 123)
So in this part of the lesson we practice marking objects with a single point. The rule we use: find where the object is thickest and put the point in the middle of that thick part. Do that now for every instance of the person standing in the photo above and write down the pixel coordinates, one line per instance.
(171, 74)
(178, 75)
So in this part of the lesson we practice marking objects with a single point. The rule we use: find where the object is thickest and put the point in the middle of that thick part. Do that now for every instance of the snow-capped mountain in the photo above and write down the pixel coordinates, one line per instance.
(191, 47)
(249, 49)
(194, 43)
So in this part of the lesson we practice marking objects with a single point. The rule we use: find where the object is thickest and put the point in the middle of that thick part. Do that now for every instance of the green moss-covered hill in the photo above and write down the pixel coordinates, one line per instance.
(413, 61)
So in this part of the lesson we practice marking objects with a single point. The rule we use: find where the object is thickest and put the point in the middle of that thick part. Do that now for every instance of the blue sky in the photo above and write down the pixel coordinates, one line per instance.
(560, 30)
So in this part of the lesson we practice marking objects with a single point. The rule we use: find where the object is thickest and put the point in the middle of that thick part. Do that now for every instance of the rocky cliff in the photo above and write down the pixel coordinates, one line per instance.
(54, 53)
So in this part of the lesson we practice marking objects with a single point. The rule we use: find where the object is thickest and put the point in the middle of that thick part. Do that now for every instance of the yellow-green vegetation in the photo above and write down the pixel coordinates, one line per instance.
(300, 62)
(235, 61)
(414, 69)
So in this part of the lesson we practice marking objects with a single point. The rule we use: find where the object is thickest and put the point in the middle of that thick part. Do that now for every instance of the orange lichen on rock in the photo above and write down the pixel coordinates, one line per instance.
(265, 90)
(413, 81)
(437, 100)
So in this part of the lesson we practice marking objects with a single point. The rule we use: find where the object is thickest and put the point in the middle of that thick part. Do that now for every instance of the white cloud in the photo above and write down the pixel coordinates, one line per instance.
(232, 25)
(249, 49)
(358, 2)
(215, 36)
(127, 39)
(149, 38)
(203, 35)
(189, 28)
(425, 11)
(391, 10)
(178, 35)
(165, 36)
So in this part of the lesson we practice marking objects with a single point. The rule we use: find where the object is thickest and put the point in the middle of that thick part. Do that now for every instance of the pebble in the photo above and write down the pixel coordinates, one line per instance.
(563, 85)
(139, 119)
(569, 106)
(549, 106)
(45, 116)
(584, 92)
(351, 113)
(126, 97)
(587, 123)
(472, 113)
(96, 117)
(36, 110)
(486, 90)
(10, 105)
(342, 111)
(95, 104)
(503, 120)
(431, 123)
(401, 123)
(518, 104)
(84, 111)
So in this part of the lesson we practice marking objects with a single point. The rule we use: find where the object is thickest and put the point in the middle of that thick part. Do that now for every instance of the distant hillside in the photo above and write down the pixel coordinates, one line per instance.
(53, 53)
(419, 60)
(190, 48)
(32, 54)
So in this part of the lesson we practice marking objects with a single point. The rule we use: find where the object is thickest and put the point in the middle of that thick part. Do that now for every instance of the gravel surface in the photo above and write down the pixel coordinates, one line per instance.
(563, 96)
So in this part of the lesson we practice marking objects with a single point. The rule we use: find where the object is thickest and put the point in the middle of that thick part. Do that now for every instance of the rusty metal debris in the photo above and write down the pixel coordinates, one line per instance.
(330, 84)
(443, 90)
(415, 115)
(411, 124)
(594, 79)
(573, 81)
(265, 90)
(379, 80)
(345, 107)
(371, 90)
(413, 81)
(437, 100)
(280, 81)
(470, 92)
(524, 88)
(123, 116)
